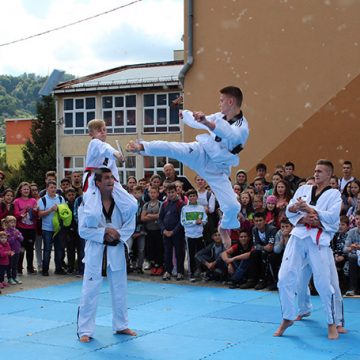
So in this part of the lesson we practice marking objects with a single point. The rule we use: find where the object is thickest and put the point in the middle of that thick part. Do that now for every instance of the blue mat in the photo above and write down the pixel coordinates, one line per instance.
(173, 322)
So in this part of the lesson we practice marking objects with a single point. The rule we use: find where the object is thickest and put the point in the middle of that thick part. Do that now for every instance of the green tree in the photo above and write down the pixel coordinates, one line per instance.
(40, 151)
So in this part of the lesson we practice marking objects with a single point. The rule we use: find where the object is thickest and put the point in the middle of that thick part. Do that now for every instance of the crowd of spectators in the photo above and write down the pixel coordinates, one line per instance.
(176, 228)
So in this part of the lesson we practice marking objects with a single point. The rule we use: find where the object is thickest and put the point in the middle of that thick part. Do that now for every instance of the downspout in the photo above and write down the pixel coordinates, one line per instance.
(190, 58)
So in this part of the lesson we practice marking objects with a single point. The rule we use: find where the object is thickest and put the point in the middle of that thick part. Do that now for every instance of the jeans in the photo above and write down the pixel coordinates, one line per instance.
(49, 240)
(241, 268)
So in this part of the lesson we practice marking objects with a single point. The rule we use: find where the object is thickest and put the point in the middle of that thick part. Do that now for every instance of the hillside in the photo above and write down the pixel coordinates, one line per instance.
(19, 94)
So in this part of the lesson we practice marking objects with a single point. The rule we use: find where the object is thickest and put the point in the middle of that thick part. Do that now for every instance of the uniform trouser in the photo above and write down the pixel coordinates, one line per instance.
(298, 253)
(194, 156)
(303, 293)
(89, 298)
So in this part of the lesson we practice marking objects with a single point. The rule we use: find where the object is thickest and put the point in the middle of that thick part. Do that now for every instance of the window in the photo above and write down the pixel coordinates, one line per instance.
(119, 113)
(159, 116)
(75, 163)
(128, 169)
(154, 165)
(77, 113)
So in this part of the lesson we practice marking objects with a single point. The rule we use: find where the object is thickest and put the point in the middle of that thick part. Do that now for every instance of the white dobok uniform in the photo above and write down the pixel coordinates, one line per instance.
(310, 246)
(92, 229)
(210, 157)
(101, 154)
(303, 292)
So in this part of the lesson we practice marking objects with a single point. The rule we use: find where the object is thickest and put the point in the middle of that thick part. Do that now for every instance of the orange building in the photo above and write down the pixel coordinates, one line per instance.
(297, 62)
(17, 133)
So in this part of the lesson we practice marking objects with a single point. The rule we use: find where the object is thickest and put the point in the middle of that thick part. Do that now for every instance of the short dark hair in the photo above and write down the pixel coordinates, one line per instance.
(357, 212)
(64, 180)
(70, 190)
(50, 182)
(234, 92)
(285, 220)
(170, 186)
(289, 163)
(347, 162)
(260, 214)
(98, 173)
(191, 192)
(50, 173)
(138, 188)
(327, 163)
(261, 166)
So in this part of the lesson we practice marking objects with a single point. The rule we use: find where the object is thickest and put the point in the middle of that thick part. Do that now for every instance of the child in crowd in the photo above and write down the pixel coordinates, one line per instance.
(258, 203)
(180, 191)
(337, 245)
(281, 239)
(153, 240)
(193, 219)
(5, 254)
(271, 210)
(237, 259)
(139, 235)
(100, 154)
(173, 232)
(351, 249)
(352, 211)
(6, 205)
(15, 239)
(209, 259)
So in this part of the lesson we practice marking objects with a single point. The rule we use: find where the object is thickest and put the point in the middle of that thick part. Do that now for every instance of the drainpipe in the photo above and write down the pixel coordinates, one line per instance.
(190, 58)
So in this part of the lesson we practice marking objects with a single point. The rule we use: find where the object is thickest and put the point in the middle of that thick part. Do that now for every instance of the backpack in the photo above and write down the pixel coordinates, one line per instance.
(179, 204)
(43, 199)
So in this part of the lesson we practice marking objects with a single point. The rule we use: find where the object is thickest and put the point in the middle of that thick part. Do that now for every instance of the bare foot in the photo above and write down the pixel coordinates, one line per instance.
(126, 332)
(85, 339)
(134, 147)
(283, 326)
(341, 330)
(225, 237)
(332, 332)
(300, 317)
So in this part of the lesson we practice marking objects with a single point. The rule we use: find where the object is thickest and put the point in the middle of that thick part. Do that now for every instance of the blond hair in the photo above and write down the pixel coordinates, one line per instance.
(95, 124)
(9, 218)
(3, 234)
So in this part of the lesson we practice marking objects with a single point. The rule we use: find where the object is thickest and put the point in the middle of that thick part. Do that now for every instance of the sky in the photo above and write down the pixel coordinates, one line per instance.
(148, 30)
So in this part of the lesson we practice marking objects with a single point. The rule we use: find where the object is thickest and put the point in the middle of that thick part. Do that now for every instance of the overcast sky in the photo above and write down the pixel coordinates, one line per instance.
(146, 31)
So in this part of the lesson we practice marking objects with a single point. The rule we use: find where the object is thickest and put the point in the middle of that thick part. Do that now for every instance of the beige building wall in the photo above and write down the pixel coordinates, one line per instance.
(297, 62)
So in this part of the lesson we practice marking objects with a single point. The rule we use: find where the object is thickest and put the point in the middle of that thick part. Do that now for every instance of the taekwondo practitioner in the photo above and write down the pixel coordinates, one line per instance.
(213, 154)
(315, 213)
(101, 154)
(106, 233)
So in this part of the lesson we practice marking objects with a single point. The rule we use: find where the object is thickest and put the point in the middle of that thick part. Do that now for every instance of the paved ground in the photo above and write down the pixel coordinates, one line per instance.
(173, 322)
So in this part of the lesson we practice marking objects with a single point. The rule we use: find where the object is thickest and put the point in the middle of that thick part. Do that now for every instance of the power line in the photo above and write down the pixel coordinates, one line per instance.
(71, 24)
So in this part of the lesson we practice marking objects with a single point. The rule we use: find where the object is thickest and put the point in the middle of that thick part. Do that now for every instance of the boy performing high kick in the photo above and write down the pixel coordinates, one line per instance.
(213, 154)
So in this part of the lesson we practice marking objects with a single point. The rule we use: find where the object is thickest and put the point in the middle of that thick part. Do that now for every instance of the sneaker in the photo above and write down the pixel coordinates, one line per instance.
(233, 285)
(139, 271)
(12, 281)
(32, 271)
(166, 276)
(260, 285)
(147, 265)
(192, 278)
(60, 272)
(17, 281)
(45, 273)
(350, 293)
(153, 271)
(179, 277)
(249, 284)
